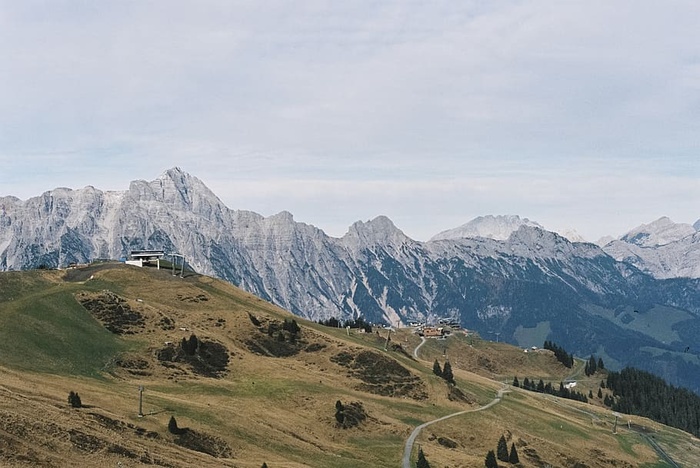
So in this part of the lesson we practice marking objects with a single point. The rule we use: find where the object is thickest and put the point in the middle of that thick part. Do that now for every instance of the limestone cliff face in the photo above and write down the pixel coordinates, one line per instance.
(663, 249)
(525, 283)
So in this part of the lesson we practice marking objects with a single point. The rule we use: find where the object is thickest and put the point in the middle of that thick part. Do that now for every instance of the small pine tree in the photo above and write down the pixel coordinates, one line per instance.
(172, 426)
(436, 368)
(601, 365)
(515, 382)
(74, 400)
(600, 393)
(490, 461)
(540, 386)
(513, 457)
(339, 415)
(447, 373)
(192, 345)
(264, 465)
(591, 366)
(422, 462)
(502, 449)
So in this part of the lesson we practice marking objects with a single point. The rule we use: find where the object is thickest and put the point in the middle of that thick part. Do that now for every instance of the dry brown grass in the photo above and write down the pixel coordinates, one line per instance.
(280, 410)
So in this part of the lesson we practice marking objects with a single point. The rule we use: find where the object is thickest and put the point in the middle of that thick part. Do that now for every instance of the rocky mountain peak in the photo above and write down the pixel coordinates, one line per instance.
(380, 230)
(663, 231)
(498, 227)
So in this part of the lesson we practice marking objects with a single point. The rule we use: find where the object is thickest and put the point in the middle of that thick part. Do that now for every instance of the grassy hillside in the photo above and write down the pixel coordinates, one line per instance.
(255, 390)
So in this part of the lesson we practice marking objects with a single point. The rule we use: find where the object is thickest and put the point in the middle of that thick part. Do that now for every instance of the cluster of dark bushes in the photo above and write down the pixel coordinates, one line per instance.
(74, 400)
(287, 331)
(276, 338)
(207, 358)
(350, 415)
(541, 387)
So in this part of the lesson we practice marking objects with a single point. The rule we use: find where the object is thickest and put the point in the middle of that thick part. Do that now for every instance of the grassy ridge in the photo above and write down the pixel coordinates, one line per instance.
(47, 330)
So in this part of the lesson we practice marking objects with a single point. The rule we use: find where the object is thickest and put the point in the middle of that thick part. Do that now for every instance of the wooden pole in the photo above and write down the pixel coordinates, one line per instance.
(140, 401)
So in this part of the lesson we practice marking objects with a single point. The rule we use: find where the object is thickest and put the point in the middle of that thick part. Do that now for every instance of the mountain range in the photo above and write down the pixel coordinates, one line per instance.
(634, 300)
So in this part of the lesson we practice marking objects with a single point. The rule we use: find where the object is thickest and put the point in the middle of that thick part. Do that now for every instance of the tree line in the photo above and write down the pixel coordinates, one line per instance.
(359, 322)
(548, 388)
(644, 394)
(560, 353)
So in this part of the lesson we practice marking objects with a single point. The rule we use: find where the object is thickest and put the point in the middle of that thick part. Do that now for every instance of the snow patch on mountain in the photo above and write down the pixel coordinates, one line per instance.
(663, 231)
(492, 227)
(572, 235)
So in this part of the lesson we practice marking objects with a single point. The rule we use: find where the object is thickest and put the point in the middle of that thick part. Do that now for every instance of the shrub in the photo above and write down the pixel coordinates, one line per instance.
(74, 400)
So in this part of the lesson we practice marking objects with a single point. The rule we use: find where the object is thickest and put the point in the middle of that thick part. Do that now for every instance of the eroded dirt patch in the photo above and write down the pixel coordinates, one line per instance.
(381, 375)
(202, 442)
(134, 365)
(113, 312)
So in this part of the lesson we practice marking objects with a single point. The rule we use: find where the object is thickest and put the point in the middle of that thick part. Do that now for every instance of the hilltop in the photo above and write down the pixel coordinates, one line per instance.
(254, 383)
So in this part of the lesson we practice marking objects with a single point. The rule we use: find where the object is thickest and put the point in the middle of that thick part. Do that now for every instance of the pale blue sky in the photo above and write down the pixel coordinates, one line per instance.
(582, 115)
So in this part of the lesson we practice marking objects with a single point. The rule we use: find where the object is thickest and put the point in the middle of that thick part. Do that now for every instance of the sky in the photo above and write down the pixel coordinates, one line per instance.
(579, 115)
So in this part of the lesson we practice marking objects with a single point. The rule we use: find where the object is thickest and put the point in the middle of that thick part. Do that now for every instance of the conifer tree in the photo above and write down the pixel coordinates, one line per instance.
(600, 393)
(490, 461)
(422, 462)
(540, 386)
(447, 373)
(172, 426)
(591, 366)
(339, 415)
(502, 449)
(513, 457)
(516, 383)
(74, 400)
(436, 368)
(192, 345)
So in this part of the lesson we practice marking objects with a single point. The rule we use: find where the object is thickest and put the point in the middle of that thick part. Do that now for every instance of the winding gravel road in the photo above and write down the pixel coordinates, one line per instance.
(408, 448)
(412, 438)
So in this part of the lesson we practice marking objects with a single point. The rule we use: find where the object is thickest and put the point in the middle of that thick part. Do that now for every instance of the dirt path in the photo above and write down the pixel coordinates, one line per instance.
(408, 448)
(415, 351)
